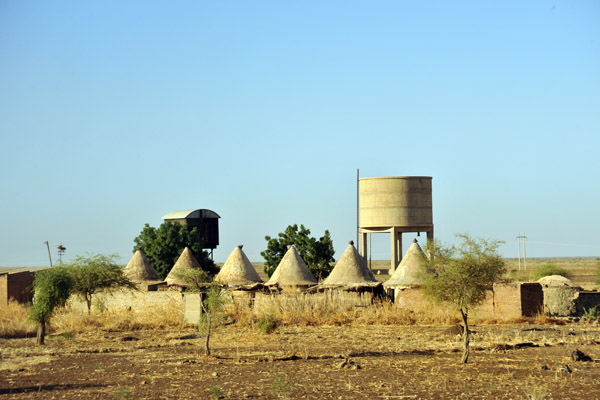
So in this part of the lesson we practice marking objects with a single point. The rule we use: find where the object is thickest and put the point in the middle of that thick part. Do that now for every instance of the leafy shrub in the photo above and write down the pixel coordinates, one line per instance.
(547, 270)
(267, 323)
(591, 314)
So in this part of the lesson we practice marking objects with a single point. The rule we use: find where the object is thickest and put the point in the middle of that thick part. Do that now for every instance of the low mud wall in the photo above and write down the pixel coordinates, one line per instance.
(130, 300)
(504, 301)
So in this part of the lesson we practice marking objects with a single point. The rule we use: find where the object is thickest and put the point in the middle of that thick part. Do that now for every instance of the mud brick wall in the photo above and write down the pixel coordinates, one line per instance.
(505, 301)
(3, 290)
(586, 300)
(16, 286)
(515, 300)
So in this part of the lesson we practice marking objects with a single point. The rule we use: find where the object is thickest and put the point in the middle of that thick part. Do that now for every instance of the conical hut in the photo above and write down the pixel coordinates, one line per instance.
(185, 260)
(139, 268)
(237, 270)
(409, 272)
(350, 270)
(292, 271)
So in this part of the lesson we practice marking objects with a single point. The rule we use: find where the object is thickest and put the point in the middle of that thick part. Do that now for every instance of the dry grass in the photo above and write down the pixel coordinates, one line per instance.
(14, 322)
(334, 308)
(74, 318)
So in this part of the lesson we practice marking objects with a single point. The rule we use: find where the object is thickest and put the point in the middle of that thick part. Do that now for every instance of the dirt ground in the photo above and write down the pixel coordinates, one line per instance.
(296, 362)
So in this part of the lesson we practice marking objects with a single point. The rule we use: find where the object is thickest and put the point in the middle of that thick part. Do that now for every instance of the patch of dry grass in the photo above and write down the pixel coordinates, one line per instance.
(14, 322)
(334, 309)
(75, 319)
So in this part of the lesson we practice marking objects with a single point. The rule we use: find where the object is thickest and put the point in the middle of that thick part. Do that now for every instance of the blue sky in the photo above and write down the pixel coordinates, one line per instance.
(113, 114)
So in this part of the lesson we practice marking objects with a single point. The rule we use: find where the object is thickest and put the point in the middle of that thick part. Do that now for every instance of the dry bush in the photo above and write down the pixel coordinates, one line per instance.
(335, 308)
(14, 322)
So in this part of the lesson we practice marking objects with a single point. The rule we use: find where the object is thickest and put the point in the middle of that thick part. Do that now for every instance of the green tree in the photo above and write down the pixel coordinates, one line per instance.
(461, 275)
(317, 254)
(163, 245)
(210, 297)
(96, 273)
(547, 270)
(52, 288)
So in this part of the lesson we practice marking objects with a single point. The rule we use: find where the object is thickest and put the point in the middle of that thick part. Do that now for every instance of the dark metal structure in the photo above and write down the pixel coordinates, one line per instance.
(207, 222)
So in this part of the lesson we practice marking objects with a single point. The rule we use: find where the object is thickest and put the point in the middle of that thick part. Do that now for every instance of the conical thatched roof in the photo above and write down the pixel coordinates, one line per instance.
(237, 270)
(410, 269)
(185, 260)
(350, 270)
(292, 271)
(139, 268)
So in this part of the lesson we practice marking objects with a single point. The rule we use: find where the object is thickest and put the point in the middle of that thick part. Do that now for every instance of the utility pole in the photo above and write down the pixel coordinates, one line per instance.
(49, 256)
(523, 238)
(524, 251)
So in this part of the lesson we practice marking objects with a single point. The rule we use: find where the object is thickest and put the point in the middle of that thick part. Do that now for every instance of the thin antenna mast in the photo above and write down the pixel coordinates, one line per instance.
(519, 244)
(524, 239)
(357, 210)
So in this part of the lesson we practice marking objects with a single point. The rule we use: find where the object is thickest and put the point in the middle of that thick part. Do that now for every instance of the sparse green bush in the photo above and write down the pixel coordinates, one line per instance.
(123, 392)
(215, 392)
(591, 314)
(280, 386)
(598, 272)
(267, 323)
(547, 270)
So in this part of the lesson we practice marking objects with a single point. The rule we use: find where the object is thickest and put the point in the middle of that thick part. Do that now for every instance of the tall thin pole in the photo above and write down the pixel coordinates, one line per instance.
(357, 209)
(519, 242)
(524, 251)
(370, 252)
(49, 256)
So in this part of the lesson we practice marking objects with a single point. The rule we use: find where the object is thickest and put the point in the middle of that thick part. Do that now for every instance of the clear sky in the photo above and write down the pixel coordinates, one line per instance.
(114, 113)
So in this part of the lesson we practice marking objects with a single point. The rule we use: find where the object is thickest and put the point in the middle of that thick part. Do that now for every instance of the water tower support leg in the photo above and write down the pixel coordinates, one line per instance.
(430, 235)
(396, 238)
(363, 245)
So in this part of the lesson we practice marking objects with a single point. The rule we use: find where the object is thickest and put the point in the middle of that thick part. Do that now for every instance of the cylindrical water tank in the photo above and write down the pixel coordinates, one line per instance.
(396, 201)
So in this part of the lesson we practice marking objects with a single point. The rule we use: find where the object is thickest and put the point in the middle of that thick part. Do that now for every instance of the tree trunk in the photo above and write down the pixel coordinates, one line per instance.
(88, 300)
(207, 348)
(466, 337)
(41, 333)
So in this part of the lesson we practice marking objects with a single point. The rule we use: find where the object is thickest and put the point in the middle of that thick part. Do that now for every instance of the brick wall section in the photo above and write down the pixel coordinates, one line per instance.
(17, 286)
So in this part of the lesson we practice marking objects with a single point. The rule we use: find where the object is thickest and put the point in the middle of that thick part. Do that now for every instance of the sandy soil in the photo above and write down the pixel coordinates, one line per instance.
(387, 362)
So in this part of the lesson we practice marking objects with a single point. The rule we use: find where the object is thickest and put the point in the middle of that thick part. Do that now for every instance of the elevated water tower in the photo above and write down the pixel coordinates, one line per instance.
(206, 221)
(395, 204)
